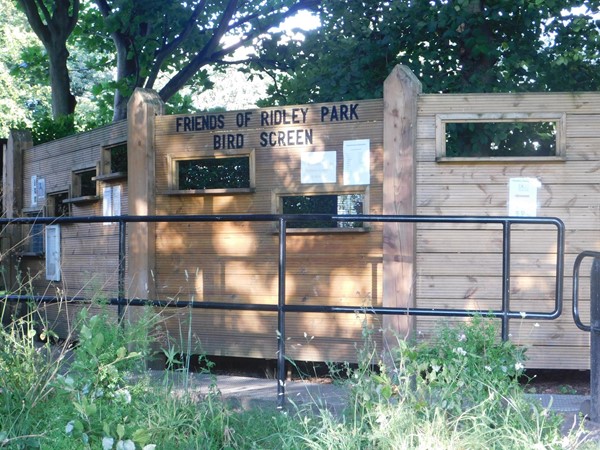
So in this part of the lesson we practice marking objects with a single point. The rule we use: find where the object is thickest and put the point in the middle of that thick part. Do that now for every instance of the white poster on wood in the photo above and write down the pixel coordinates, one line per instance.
(318, 167)
(111, 201)
(357, 162)
(522, 196)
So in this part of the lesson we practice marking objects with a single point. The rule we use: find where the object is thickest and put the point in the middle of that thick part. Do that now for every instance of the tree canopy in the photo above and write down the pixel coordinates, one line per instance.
(164, 45)
(452, 46)
(170, 45)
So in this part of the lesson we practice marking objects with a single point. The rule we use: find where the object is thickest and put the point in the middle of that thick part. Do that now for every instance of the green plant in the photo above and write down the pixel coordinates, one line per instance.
(103, 398)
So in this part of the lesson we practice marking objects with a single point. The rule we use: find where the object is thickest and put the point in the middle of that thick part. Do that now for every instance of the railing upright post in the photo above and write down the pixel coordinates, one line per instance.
(122, 265)
(595, 341)
(505, 279)
(281, 317)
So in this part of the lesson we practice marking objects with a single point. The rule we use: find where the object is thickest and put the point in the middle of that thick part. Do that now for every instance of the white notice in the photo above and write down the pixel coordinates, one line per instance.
(318, 167)
(522, 196)
(357, 162)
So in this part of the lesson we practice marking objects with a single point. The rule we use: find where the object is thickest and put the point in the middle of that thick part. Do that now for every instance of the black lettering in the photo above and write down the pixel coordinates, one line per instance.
(343, 112)
(334, 114)
(221, 121)
(295, 118)
(281, 138)
(272, 140)
(308, 136)
(324, 113)
(353, 111)
(264, 118)
(217, 142)
(178, 123)
(304, 111)
(264, 140)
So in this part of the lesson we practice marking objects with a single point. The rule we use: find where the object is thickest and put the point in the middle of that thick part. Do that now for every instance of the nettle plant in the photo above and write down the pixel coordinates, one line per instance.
(463, 367)
(468, 365)
(104, 401)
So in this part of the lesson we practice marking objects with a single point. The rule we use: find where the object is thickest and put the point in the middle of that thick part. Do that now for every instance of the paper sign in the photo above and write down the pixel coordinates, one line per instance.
(357, 162)
(318, 167)
(522, 196)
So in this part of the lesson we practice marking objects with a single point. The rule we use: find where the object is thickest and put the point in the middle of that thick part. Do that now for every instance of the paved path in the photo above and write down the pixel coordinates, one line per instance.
(247, 392)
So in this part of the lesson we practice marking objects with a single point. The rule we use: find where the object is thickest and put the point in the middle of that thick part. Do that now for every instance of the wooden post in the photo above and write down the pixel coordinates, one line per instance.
(400, 93)
(12, 201)
(12, 171)
(142, 108)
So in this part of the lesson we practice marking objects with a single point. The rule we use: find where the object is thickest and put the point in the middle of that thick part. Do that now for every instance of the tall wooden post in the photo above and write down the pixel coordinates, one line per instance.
(12, 172)
(12, 201)
(142, 108)
(400, 93)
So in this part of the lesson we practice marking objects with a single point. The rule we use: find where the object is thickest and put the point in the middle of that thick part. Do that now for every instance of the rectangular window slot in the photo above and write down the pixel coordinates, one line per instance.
(57, 204)
(214, 173)
(333, 204)
(500, 136)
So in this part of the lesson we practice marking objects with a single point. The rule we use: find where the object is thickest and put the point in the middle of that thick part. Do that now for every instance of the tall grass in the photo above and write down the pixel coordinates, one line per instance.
(459, 391)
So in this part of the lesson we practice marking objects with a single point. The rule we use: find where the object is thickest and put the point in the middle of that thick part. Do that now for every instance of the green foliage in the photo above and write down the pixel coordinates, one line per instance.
(452, 46)
(497, 139)
(459, 391)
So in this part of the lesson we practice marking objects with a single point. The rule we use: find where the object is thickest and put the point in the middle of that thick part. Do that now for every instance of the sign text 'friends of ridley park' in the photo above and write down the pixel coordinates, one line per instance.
(284, 127)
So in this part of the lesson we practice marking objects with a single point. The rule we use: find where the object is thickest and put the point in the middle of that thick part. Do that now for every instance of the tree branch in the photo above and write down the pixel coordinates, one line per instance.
(33, 16)
(168, 49)
(208, 54)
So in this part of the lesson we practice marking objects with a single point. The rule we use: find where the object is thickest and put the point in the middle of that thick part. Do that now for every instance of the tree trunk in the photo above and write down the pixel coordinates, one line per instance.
(126, 68)
(63, 101)
(53, 28)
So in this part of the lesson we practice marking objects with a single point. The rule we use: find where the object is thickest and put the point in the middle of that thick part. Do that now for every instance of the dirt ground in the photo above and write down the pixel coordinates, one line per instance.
(569, 382)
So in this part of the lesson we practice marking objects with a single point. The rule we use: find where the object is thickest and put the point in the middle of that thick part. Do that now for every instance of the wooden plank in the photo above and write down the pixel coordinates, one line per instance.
(496, 195)
(577, 149)
(484, 264)
(481, 287)
(482, 241)
(534, 102)
(574, 218)
(572, 172)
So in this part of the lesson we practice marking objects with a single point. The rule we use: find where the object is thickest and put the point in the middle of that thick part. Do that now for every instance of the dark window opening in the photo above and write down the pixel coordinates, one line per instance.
(84, 184)
(323, 204)
(500, 139)
(56, 207)
(34, 237)
(118, 158)
(214, 173)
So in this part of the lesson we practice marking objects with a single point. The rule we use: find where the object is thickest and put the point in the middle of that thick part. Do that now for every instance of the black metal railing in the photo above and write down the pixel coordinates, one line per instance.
(505, 313)
(593, 327)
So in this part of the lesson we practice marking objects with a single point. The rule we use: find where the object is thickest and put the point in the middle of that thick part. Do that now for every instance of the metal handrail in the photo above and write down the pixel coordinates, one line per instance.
(505, 313)
(576, 267)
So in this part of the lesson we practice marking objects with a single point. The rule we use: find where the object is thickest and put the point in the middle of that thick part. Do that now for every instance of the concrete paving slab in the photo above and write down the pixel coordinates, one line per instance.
(247, 392)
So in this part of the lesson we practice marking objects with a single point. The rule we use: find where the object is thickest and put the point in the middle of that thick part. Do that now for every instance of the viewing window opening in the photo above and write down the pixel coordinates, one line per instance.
(114, 159)
(56, 206)
(214, 173)
(333, 204)
(471, 136)
(84, 184)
